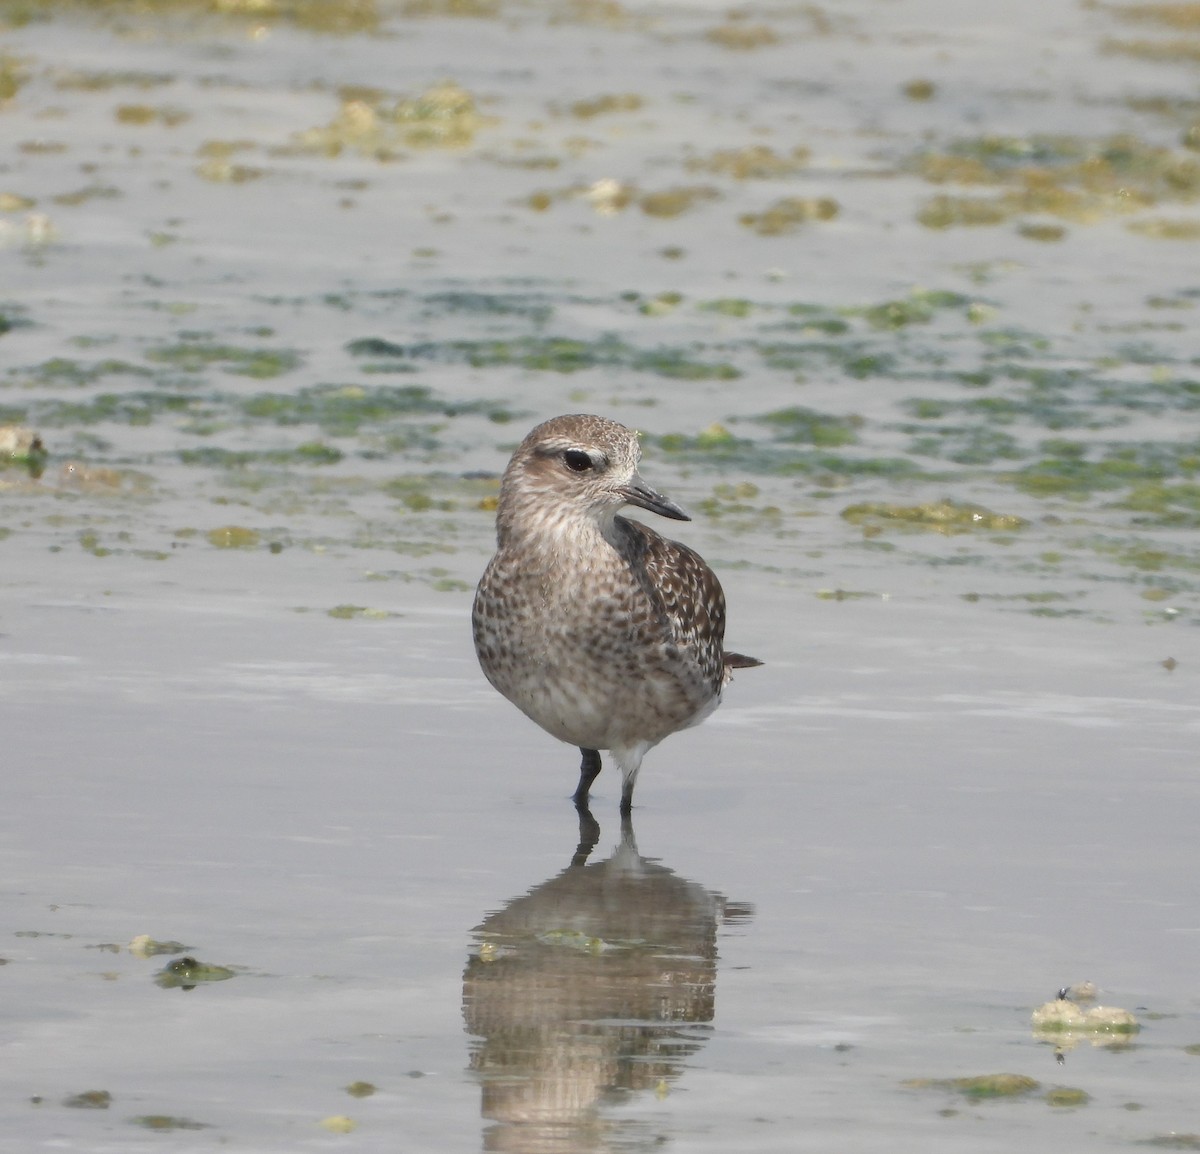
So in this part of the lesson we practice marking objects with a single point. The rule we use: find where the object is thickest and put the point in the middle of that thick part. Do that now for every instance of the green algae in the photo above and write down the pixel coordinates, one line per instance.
(415, 493)
(947, 517)
(718, 446)
(89, 1100)
(22, 448)
(661, 305)
(965, 444)
(1072, 178)
(14, 74)
(558, 355)
(741, 36)
(981, 1086)
(1067, 1096)
(855, 358)
(1160, 503)
(133, 407)
(353, 612)
(672, 202)
(1069, 468)
(332, 17)
(199, 355)
(234, 537)
(727, 307)
(165, 1122)
(89, 541)
(955, 401)
(754, 162)
(309, 453)
(533, 308)
(64, 372)
(186, 972)
(342, 410)
(919, 308)
(798, 425)
(734, 506)
(606, 105)
(789, 215)
(372, 124)
(145, 946)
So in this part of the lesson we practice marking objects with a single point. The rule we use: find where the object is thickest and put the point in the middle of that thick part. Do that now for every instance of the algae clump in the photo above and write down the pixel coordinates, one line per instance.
(186, 972)
(947, 517)
(233, 537)
(980, 1085)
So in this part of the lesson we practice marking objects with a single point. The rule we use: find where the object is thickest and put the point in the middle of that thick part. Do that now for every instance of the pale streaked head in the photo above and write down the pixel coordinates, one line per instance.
(576, 467)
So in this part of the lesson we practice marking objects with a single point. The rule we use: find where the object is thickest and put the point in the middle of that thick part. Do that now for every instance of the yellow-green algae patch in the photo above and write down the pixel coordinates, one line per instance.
(1165, 228)
(361, 1089)
(741, 36)
(1071, 178)
(144, 946)
(14, 74)
(337, 17)
(1062, 1016)
(920, 307)
(980, 1086)
(141, 114)
(453, 9)
(754, 162)
(789, 214)
(574, 940)
(187, 971)
(676, 201)
(443, 116)
(799, 425)
(1182, 15)
(198, 355)
(919, 89)
(606, 104)
(23, 447)
(89, 1100)
(558, 355)
(233, 537)
(350, 612)
(947, 516)
(1066, 1096)
(166, 1122)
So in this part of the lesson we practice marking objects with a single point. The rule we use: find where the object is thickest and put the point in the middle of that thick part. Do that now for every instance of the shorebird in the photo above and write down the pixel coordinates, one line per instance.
(606, 634)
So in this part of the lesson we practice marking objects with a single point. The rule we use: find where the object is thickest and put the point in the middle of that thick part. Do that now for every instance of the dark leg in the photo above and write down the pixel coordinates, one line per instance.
(589, 770)
(627, 797)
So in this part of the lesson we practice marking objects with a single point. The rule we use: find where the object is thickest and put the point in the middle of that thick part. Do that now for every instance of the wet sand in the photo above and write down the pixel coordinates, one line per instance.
(241, 708)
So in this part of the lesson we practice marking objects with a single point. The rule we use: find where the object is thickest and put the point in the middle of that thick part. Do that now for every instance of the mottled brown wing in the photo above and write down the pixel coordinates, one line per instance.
(686, 596)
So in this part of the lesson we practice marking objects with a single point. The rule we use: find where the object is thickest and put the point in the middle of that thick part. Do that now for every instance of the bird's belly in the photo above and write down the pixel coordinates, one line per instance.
(596, 712)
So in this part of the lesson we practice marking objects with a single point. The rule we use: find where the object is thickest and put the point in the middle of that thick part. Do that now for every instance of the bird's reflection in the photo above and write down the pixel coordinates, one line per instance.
(594, 985)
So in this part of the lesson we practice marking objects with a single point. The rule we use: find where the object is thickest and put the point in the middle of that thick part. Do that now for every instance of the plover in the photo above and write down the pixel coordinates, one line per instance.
(607, 635)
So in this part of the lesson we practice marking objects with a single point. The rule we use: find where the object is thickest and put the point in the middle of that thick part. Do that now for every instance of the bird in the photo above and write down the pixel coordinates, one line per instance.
(605, 633)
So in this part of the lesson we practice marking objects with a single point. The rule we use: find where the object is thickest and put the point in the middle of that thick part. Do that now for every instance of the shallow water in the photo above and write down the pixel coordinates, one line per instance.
(278, 338)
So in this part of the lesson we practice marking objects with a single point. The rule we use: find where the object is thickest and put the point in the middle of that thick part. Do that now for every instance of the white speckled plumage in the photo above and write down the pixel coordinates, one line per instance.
(606, 634)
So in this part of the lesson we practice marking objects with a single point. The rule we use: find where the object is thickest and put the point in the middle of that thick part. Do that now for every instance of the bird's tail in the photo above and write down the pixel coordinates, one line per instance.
(740, 661)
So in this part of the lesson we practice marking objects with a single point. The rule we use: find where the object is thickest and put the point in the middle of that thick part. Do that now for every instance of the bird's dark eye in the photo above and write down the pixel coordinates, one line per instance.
(577, 460)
